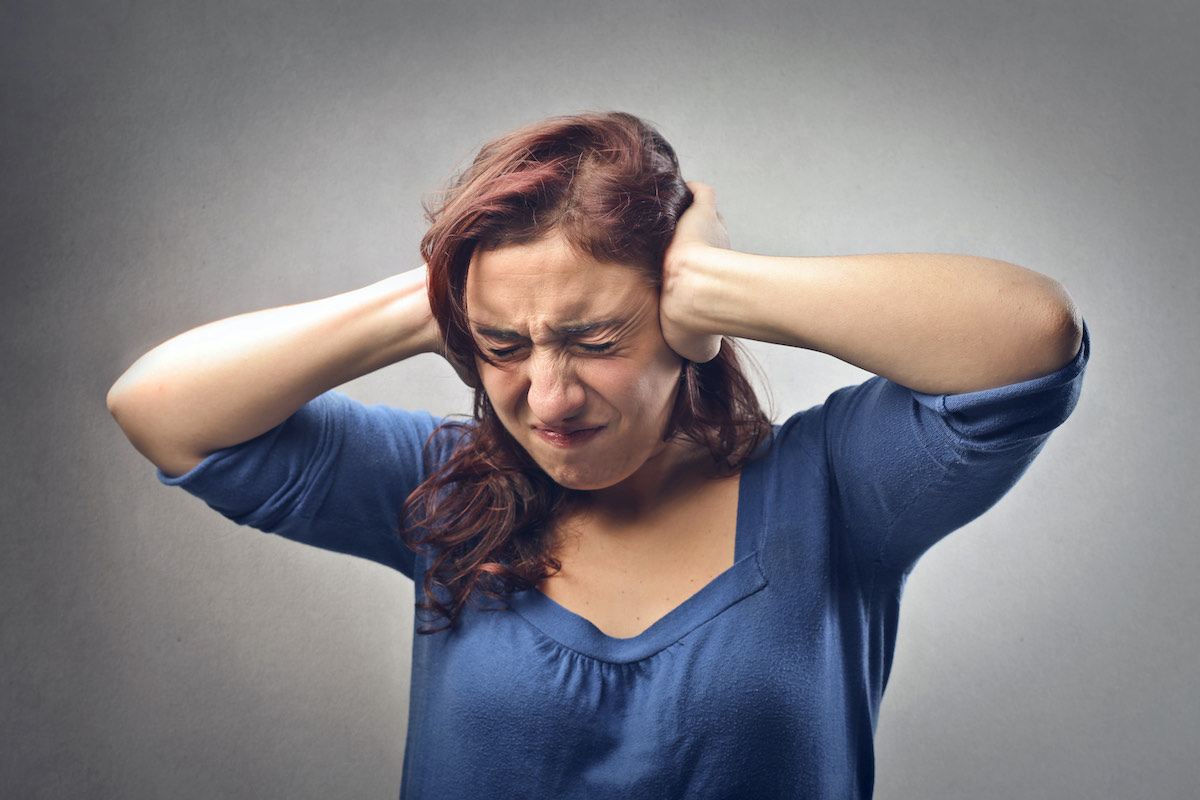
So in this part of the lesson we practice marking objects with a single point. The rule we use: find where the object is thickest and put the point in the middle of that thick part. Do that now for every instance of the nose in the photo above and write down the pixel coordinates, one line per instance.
(555, 391)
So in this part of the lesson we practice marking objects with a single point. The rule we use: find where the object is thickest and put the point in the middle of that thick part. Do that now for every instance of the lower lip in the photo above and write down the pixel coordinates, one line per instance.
(572, 439)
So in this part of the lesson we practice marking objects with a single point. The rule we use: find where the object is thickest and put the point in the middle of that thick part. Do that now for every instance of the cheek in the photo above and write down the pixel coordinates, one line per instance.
(644, 390)
(659, 389)
(500, 387)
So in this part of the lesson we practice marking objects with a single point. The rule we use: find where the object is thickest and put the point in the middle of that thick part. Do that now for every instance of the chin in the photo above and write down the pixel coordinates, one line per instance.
(580, 483)
(582, 480)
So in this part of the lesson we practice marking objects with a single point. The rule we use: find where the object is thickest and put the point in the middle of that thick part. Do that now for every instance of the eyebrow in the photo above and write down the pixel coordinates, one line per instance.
(572, 329)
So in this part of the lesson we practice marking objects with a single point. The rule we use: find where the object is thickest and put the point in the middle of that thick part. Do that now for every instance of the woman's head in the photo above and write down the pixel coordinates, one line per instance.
(607, 183)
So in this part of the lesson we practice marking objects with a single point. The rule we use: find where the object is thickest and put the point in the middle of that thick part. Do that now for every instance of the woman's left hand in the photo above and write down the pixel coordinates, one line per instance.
(700, 228)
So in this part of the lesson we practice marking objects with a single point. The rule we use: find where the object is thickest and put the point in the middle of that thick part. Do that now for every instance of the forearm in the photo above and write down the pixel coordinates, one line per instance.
(934, 323)
(229, 381)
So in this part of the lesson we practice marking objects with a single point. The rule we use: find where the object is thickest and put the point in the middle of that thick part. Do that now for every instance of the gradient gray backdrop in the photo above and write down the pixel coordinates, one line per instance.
(167, 163)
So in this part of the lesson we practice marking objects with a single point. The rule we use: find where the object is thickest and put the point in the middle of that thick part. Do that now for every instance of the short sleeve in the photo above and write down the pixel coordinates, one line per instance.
(908, 468)
(334, 475)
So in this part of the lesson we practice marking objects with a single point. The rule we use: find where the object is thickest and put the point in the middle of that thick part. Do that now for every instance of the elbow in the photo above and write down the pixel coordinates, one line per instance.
(114, 400)
(130, 402)
(142, 406)
(1060, 329)
(122, 398)
(122, 402)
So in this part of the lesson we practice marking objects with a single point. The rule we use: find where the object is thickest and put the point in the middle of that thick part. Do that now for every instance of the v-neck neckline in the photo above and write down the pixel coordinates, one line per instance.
(742, 579)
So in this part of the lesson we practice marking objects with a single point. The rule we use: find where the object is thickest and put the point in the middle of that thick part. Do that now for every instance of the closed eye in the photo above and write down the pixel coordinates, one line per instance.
(503, 352)
(596, 348)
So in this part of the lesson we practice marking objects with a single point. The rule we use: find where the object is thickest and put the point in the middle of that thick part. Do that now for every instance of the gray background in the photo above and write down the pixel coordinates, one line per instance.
(168, 163)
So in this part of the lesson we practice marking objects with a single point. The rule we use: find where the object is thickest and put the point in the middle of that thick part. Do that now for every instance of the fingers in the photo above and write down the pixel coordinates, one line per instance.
(702, 221)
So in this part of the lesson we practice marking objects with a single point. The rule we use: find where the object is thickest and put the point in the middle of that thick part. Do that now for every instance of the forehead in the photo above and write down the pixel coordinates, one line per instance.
(549, 282)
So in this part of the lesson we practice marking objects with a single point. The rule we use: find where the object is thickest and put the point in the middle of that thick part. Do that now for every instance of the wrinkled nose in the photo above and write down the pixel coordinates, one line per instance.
(555, 392)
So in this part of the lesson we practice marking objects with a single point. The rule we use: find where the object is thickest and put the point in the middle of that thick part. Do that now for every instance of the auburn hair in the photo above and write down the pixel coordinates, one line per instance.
(610, 184)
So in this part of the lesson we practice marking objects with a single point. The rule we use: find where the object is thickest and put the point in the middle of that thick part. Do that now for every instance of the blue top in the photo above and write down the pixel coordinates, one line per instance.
(765, 683)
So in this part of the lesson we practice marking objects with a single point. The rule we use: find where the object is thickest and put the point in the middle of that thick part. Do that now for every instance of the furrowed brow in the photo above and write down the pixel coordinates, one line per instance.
(584, 328)
(570, 329)
(500, 334)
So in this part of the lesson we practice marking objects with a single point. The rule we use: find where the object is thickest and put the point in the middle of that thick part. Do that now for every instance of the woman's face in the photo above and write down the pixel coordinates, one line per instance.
(580, 375)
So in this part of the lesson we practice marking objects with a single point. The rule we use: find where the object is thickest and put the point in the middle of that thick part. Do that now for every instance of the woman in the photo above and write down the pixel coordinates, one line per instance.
(631, 585)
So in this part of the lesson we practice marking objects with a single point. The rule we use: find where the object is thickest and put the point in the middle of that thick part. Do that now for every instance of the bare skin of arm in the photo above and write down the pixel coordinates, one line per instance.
(940, 324)
(229, 381)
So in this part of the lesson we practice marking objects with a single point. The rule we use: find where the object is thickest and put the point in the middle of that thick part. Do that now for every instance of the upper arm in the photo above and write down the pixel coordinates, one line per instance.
(335, 475)
(909, 468)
